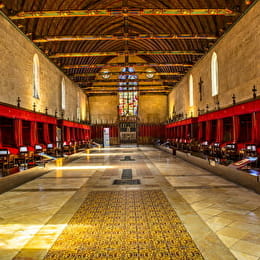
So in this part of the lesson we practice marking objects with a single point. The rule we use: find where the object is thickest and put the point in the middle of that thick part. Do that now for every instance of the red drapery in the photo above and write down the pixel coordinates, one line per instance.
(34, 135)
(208, 130)
(67, 136)
(200, 131)
(220, 130)
(18, 132)
(46, 135)
(236, 128)
(77, 130)
(256, 128)
(81, 135)
(54, 133)
(72, 133)
(1, 143)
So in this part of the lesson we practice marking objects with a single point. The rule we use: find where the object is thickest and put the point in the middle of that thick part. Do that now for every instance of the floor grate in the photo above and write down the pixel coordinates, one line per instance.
(127, 182)
(127, 174)
(127, 158)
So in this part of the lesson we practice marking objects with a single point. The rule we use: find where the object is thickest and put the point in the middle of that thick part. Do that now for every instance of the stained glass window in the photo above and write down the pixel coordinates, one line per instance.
(128, 99)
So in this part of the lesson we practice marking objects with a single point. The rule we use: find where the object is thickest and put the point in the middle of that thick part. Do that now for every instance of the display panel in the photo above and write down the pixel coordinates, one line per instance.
(49, 146)
(4, 152)
(23, 149)
(231, 146)
(38, 147)
(251, 147)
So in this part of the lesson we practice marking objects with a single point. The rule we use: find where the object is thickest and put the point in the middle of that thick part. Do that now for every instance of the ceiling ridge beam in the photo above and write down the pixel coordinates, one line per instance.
(120, 80)
(137, 87)
(128, 73)
(122, 65)
(123, 12)
(122, 53)
(131, 90)
(108, 37)
(117, 86)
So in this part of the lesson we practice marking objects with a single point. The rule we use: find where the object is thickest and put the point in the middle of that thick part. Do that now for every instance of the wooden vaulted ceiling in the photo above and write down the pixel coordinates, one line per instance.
(83, 36)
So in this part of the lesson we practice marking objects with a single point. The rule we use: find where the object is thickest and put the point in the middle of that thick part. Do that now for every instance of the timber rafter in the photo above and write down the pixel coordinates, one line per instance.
(129, 73)
(130, 87)
(135, 80)
(123, 12)
(124, 38)
(118, 91)
(123, 53)
(122, 65)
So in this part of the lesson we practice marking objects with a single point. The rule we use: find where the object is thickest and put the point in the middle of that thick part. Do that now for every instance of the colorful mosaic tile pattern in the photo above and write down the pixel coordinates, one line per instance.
(125, 225)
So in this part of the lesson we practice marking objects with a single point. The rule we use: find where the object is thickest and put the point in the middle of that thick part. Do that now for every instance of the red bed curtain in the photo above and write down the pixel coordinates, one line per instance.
(18, 132)
(236, 128)
(256, 128)
(46, 135)
(34, 135)
(208, 130)
(220, 130)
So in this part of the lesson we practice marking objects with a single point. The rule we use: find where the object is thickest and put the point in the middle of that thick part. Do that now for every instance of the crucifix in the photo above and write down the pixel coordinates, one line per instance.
(200, 88)
(254, 90)
(18, 102)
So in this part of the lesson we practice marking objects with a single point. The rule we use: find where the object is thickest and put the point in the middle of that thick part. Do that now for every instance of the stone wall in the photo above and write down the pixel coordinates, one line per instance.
(103, 109)
(238, 65)
(152, 108)
(16, 77)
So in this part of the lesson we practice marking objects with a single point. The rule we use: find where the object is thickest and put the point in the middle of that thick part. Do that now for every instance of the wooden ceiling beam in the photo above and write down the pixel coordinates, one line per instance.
(115, 84)
(135, 80)
(118, 91)
(128, 73)
(136, 87)
(122, 53)
(122, 12)
(165, 36)
(122, 65)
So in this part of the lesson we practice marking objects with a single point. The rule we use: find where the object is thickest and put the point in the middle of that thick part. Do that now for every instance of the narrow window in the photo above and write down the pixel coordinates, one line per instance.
(214, 74)
(191, 91)
(78, 106)
(36, 76)
(63, 94)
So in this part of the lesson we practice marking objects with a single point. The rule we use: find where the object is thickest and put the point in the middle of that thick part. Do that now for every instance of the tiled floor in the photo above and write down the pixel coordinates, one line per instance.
(222, 218)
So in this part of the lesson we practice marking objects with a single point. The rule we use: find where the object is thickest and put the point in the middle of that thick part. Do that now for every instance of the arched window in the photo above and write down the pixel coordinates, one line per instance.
(78, 106)
(63, 94)
(214, 74)
(36, 76)
(191, 90)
